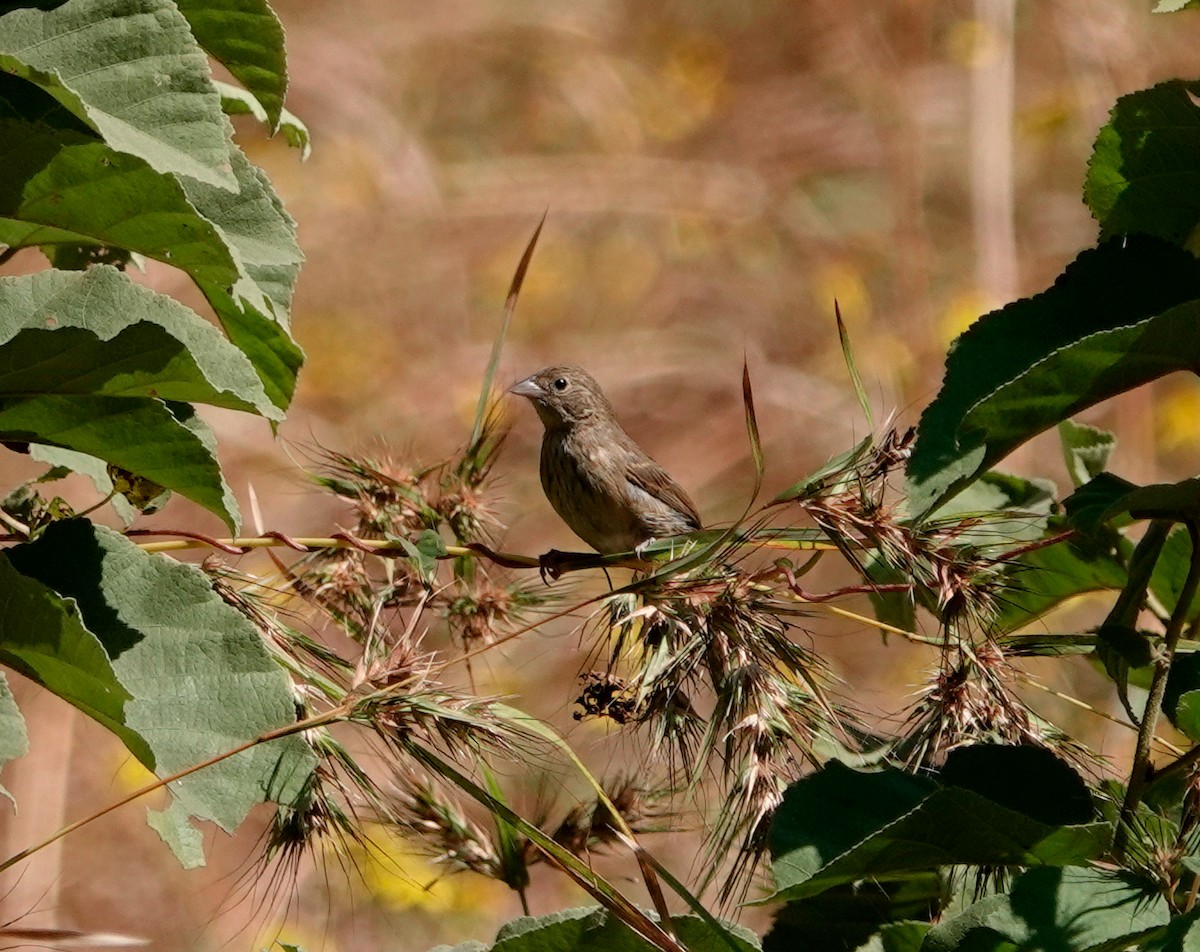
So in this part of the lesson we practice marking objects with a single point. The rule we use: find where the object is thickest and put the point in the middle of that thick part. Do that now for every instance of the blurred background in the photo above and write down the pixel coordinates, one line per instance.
(715, 174)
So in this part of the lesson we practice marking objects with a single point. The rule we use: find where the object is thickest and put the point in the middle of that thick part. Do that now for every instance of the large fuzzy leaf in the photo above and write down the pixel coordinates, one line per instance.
(200, 679)
(133, 71)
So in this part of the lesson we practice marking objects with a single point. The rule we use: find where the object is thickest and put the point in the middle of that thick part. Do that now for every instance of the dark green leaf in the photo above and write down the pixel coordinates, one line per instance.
(1187, 714)
(1183, 678)
(839, 826)
(593, 930)
(1056, 909)
(1170, 571)
(168, 445)
(246, 37)
(846, 916)
(1142, 176)
(201, 678)
(1089, 506)
(1029, 780)
(1120, 315)
(1177, 501)
(43, 637)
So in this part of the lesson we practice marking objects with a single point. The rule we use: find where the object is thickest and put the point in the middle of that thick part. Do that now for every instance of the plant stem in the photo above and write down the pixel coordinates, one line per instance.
(1139, 774)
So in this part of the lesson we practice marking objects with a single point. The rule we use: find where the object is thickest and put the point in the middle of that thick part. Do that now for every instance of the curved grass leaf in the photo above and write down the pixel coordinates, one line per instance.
(200, 677)
(96, 332)
(246, 37)
(1120, 315)
(166, 444)
(133, 71)
(1143, 176)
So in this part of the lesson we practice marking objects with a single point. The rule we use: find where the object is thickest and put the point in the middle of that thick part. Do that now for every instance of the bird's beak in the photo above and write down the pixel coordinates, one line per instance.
(527, 388)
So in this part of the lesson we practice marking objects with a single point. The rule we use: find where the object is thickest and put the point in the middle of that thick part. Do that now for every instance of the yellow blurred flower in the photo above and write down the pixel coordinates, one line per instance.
(962, 310)
(683, 94)
(841, 281)
(1177, 416)
(397, 877)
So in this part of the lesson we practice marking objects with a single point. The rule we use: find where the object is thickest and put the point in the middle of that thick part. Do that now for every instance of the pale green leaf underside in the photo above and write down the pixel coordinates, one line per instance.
(133, 71)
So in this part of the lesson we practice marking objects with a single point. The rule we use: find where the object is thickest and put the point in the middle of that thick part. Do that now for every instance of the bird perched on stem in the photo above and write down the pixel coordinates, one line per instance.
(602, 484)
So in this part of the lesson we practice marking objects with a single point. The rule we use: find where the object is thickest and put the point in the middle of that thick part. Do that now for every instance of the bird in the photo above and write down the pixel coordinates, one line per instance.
(603, 485)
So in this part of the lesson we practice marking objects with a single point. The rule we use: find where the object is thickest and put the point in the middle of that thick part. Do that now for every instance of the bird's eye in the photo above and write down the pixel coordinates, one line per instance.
(560, 384)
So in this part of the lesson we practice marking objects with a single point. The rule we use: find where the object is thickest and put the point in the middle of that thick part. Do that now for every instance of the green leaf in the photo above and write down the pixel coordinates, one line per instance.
(1088, 508)
(14, 741)
(1142, 176)
(1170, 571)
(238, 102)
(276, 357)
(846, 916)
(96, 332)
(1043, 579)
(1075, 909)
(1178, 501)
(246, 37)
(1187, 714)
(43, 637)
(1120, 315)
(574, 930)
(261, 235)
(1173, 6)
(63, 186)
(860, 391)
(1008, 509)
(174, 827)
(166, 444)
(133, 71)
(838, 826)
(1086, 450)
(201, 679)
(897, 609)
(1030, 780)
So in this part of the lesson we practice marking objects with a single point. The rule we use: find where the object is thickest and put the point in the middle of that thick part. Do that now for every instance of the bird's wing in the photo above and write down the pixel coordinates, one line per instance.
(647, 475)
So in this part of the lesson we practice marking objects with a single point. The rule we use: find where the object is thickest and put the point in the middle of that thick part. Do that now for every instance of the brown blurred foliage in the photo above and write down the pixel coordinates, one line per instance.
(716, 174)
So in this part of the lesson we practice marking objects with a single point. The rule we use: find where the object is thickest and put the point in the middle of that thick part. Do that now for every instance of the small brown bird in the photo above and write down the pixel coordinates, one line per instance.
(611, 494)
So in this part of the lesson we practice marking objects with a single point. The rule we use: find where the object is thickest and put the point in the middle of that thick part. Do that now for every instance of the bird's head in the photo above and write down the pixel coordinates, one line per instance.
(564, 396)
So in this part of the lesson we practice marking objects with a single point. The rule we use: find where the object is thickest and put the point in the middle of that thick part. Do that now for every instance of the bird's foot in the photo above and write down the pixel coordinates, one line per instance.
(551, 564)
